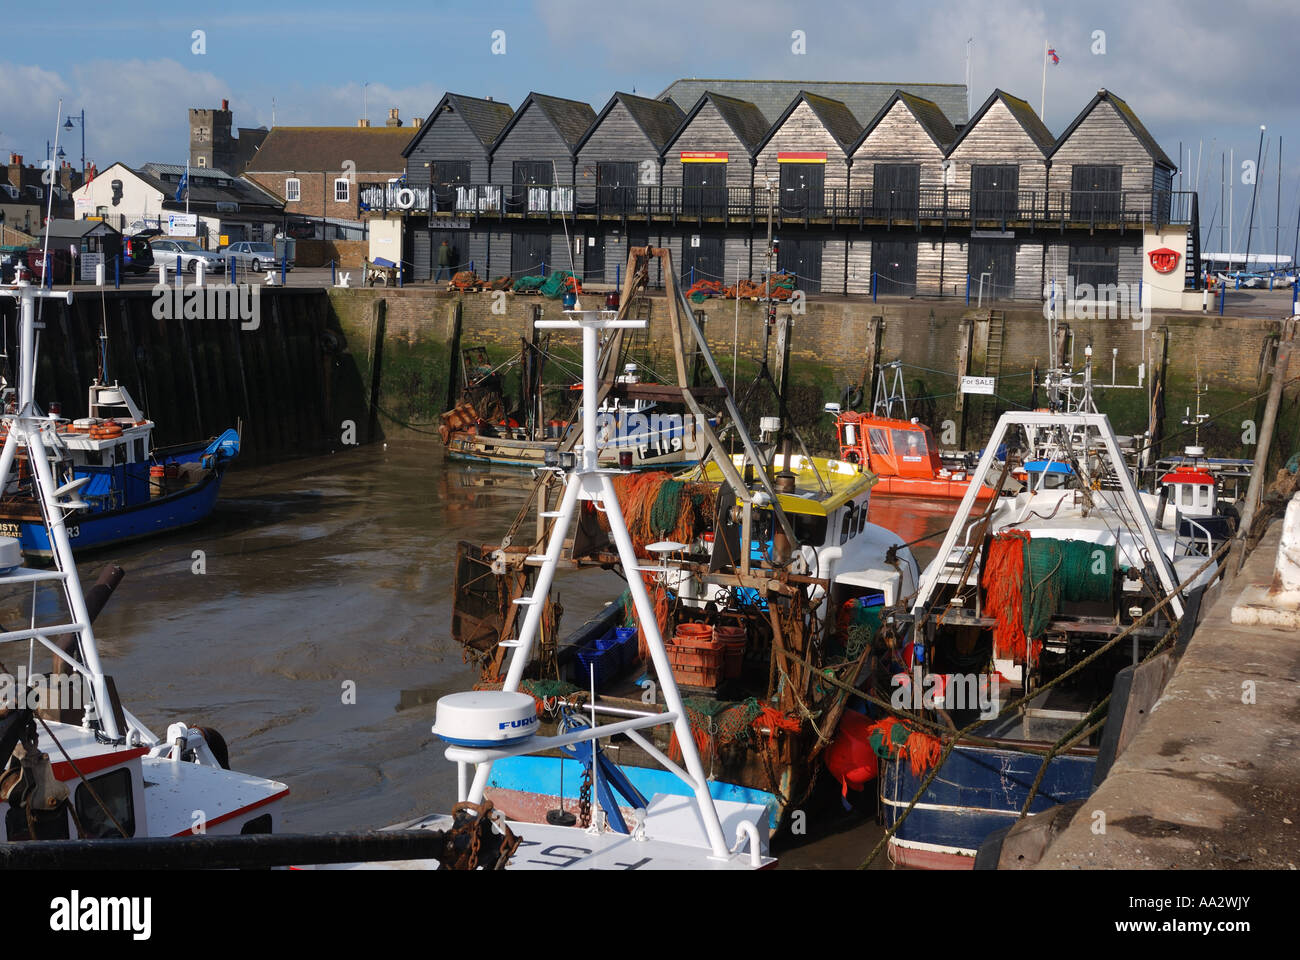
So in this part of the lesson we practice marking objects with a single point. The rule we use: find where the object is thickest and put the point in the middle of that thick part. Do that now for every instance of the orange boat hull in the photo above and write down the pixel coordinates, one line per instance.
(924, 487)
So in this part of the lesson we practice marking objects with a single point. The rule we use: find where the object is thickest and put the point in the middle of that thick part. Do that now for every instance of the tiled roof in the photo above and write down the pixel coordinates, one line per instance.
(863, 99)
(204, 186)
(571, 118)
(658, 119)
(927, 114)
(744, 118)
(371, 149)
(485, 118)
(1143, 135)
(1024, 114)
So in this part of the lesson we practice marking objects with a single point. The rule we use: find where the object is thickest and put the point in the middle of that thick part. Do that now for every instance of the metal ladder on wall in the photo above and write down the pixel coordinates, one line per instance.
(1192, 259)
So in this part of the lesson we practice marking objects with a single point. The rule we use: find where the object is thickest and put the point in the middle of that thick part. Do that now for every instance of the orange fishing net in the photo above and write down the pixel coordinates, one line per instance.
(1004, 579)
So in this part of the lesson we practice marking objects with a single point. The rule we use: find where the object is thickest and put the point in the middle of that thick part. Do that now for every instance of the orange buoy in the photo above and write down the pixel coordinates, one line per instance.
(850, 758)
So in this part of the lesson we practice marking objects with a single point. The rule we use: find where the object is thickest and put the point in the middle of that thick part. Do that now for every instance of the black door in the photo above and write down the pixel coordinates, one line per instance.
(894, 264)
(456, 253)
(616, 187)
(528, 251)
(701, 258)
(993, 190)
(997, 258)
(897, 189)
(593, 267)
(704, 189)
(529, 174)
(1094, 193)
(1095, 264)
(446, 176)
(802, 193)
(802, 256)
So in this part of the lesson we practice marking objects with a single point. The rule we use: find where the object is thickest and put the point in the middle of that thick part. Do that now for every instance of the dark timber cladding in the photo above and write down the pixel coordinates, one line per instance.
(1001, 158)
(1113, 154)
(898, 167)
(452, 148)
(805, 156)
(619, 162)
(536, 150)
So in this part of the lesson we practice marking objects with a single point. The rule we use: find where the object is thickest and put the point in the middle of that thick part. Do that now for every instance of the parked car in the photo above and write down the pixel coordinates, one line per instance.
(137, 254)
(254, 255)
(185, 256)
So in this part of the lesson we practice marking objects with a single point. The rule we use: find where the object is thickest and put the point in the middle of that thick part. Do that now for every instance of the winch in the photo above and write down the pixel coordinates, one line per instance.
(486, 718)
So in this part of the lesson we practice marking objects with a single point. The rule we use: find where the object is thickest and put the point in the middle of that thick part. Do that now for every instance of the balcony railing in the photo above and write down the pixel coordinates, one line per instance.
(863, 206)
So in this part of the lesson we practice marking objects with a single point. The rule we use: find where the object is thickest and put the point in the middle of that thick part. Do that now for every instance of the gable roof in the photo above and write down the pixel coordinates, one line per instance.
(863, 98)
(206, 186)
(485, 118)
(1134, 124)
(1024, 114)
(372, 149)
(834, 116)
(745, 120)
(658, 119)
(65, 229)
(927, 114)
(570, 118)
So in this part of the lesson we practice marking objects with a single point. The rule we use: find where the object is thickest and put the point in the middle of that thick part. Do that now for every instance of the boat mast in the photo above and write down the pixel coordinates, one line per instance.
(28, 427)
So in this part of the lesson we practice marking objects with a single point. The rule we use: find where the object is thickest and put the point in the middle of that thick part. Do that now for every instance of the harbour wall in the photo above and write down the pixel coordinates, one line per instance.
(327, 368)
(830, 349)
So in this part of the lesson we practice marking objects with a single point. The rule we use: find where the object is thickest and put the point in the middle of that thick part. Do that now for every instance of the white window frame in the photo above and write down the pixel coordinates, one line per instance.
(203, 161)
(292, 190)
(347, 190)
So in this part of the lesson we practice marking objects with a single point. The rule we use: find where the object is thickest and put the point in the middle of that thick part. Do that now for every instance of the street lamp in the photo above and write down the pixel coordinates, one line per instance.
(67, 125)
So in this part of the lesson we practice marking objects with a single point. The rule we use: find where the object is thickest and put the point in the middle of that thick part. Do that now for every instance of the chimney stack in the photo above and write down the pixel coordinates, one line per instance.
(416, 122)
(16, 159)
(225, 104)
(393, 119)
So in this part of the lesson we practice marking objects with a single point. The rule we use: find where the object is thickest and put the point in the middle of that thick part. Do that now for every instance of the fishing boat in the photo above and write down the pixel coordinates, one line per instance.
(131, 489)
(768, 582)
(485, 729)
(903, 456)
(636, 428)
(76, 763)
(1017, 596)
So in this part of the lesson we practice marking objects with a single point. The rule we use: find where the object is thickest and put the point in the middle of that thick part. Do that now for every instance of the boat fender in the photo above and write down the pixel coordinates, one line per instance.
(217, 744)
(850, 758)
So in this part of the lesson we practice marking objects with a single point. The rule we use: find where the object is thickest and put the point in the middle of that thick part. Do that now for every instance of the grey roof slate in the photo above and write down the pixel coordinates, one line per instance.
(862, 98)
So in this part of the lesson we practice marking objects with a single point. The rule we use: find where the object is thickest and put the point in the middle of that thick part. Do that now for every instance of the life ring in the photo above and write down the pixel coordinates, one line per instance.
(405, 198)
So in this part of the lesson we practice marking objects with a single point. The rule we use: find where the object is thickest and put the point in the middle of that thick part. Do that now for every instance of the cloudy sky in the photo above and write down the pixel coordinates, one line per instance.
(1197, 71)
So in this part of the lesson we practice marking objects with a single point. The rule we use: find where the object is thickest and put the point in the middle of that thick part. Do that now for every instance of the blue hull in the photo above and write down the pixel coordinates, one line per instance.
(538, 780)
(979, 790)
(89, 531)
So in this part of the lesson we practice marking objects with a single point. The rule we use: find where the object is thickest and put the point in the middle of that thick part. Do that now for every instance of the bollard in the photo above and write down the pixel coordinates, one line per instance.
(1223, 297)
(117, 272)
(968, 289)
(284, 267)
(471, 266)
(543, 268)
(1294, 291)
(200, 272)
(692, 277)
(234, 270)
(99, 274)
(1139, 294)
(399, 272)
(333, 274)
(873, 287)
(162, 274)
(1205, 300)
(49, 272)
(618, 276)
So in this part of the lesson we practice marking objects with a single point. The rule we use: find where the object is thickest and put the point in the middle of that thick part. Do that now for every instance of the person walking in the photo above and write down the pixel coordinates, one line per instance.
(444, 262)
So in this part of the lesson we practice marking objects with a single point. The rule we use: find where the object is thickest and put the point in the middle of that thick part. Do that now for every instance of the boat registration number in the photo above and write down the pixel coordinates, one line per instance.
(15, 530)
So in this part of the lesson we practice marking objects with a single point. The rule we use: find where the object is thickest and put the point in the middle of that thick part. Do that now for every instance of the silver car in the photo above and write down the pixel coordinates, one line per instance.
(184, 255)
(254, 255)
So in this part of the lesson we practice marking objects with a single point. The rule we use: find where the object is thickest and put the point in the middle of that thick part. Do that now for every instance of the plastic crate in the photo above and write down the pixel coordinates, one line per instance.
(696, 663)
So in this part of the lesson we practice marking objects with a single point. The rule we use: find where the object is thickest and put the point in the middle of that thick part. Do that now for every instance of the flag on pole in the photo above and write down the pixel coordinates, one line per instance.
(1051, 52)
(183, 186)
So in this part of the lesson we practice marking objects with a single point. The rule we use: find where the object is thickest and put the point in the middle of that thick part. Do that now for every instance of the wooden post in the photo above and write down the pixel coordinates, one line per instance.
(964, 335)
(378, 315)
(1159, 386)
(455, 321)
(1265, 438)
(875, 337)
